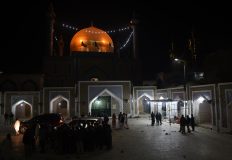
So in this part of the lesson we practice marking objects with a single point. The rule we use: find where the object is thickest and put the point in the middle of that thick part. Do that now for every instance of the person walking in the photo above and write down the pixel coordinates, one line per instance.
(119, 119)
(152, 119)
(188, 123)
(160, 118)
(182, 124)
(125, 121)
(192, 122)
(114, 121)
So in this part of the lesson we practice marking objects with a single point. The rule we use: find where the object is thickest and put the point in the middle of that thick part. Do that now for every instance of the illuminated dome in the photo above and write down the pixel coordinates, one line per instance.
(91, 39)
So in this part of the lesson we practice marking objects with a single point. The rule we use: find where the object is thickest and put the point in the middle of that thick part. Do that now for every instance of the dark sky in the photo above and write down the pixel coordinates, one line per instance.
(24, 29)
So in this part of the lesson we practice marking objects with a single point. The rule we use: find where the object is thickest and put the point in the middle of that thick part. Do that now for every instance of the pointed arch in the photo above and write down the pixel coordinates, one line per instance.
(120, 101)
(51, 106)
(138, 99)
(26, 108)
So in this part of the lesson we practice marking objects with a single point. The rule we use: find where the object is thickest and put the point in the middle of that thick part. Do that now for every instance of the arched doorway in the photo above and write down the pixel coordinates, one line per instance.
(202, 110)
(144, 104)
(164, 110)
(22, 110)
(60, 105)
(205, 115)
(105, 103)
(101, 106)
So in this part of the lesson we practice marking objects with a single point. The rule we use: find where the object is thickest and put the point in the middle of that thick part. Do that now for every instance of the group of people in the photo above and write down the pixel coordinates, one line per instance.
(187, 121)
(68, 139)
(156, 117)
(122, 120)
(184, 121)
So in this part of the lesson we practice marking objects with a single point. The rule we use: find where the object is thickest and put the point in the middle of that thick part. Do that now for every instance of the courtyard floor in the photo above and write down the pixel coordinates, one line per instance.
(145, 142)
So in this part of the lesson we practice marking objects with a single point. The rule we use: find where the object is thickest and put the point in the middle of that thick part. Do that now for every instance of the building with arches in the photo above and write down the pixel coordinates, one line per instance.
(94, 79)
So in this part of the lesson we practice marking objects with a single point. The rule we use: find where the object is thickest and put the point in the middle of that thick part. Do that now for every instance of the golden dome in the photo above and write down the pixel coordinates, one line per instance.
(91, 39)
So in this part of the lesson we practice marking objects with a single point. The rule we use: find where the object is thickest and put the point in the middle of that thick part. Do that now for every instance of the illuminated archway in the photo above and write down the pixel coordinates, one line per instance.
(60, 104)
(202, 110)
(144, 105)
(22, 110)
(116, 105)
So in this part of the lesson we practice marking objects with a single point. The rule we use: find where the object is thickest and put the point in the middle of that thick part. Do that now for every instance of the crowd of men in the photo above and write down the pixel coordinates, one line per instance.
(83, 136)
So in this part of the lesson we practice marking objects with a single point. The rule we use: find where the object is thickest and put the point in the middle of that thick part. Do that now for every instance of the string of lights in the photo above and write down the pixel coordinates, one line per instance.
(69, 27)
(127, 41)
(108, 31)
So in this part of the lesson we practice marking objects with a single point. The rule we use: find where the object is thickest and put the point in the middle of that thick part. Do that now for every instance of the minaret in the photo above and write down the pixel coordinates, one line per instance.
(171, 51)
(192, 46)
(136, 66)
(133, 24)
(51, 16)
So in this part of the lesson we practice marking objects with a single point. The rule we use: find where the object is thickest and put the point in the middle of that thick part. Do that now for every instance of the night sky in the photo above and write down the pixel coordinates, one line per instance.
(24, 29)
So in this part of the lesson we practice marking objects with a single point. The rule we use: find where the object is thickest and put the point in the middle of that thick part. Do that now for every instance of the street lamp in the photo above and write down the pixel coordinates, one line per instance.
(184, 63)
(185, 89)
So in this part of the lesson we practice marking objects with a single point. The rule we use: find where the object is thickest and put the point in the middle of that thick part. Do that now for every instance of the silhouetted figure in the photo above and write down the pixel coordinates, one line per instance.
(160, 118)
(106, 119)
(122, 118)
(152, 118)
(182, 124)
(108, 136)
(188, 123)
(192, 122)
(43, 135)
(6, 118)
(6, 148)
(125, 121)
(119, 119)
(114, 120)
(11, 117)
(29, 142)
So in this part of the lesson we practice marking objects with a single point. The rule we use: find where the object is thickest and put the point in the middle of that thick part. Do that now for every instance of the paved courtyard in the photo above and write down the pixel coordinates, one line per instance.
(145, 142)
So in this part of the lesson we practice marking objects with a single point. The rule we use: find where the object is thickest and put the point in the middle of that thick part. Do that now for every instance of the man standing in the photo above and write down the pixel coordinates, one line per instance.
(182, 124)
(152, 119)
(192, 122)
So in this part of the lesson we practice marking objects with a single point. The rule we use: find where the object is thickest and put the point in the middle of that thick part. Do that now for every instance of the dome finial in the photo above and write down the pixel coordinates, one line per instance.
(91, 23)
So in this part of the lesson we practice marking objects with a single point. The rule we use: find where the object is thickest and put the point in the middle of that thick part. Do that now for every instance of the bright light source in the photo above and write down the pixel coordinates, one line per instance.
(161, 97)
(16, 126)
(200, 99)
(97, 102)
(59, 104)
(21, 104)
(176, 59)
